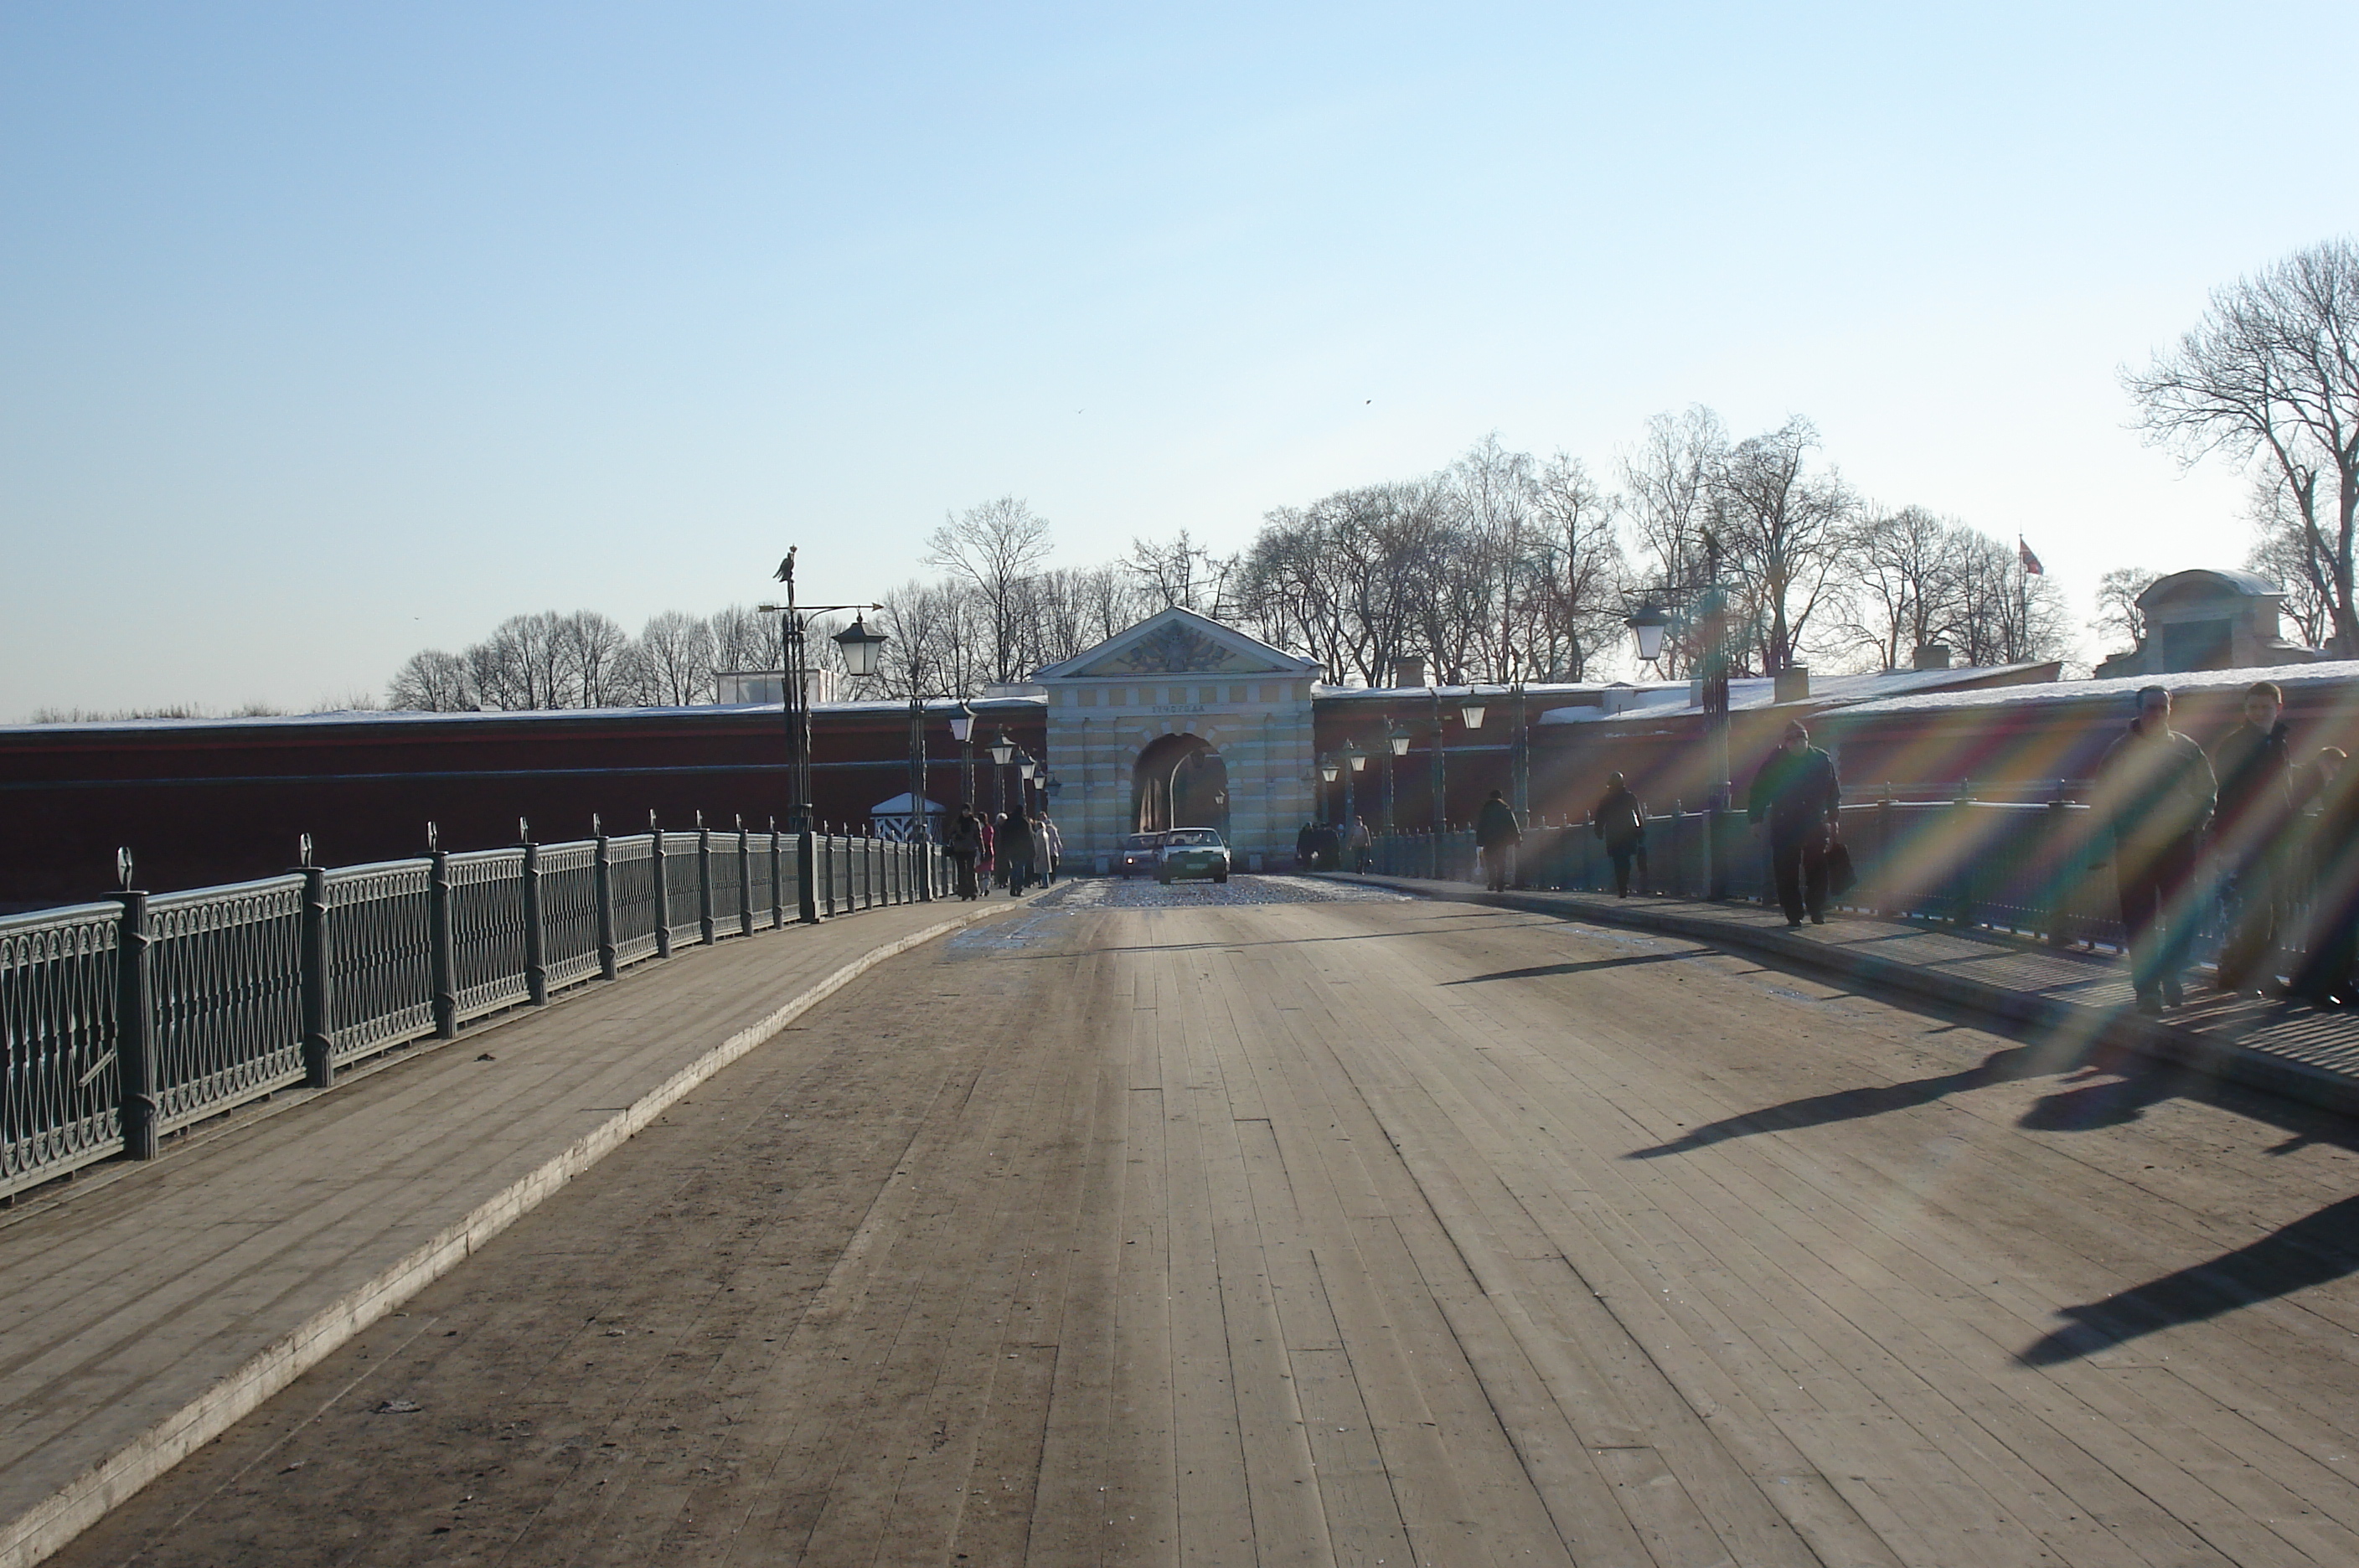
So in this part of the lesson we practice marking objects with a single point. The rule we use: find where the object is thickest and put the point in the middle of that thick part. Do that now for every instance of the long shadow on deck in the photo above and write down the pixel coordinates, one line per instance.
(1542, 971)
(2312, 1250)
(1847, 1105)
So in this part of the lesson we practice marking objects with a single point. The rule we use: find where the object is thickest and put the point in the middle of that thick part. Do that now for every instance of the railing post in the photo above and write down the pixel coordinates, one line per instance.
(1962, 906)
(2066, 860)
(602, 876)
(660, 873)
(827, 848)
(777, 883)
(807, 875)
(704, 880)
(536, 935)
(319, 1071)
(443, 944)
(134, 1028)
(745, 881)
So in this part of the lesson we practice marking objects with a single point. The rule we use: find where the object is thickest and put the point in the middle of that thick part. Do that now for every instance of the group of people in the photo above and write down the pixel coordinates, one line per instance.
(2243, 827)
(1011, 852)
(1795, 793)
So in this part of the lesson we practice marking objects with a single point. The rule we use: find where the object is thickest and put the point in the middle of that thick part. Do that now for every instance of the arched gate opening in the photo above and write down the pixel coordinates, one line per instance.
(1179, 781)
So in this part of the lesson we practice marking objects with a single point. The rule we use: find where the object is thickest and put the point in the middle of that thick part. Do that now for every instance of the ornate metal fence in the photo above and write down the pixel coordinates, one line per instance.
(2037, 870)
(60, 988)
(124, 1021)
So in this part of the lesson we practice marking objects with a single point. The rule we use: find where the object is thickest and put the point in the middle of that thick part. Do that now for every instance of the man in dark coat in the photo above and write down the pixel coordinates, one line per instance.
(1015, 847)
(964, 846)
(1497, 835)
(1620, 819)
(1797, 791)
(2154, 795)
(2253, 771)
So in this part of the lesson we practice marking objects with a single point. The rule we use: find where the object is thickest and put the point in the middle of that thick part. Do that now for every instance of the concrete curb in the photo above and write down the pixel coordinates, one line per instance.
(83, 1501)
(2007, 1007)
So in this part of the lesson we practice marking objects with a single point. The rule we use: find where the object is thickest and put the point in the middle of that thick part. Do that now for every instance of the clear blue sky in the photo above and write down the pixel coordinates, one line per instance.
(330, 333)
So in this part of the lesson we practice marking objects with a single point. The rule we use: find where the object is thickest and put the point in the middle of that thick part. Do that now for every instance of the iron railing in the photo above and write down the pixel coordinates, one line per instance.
(2036, 870)
(126, 1020)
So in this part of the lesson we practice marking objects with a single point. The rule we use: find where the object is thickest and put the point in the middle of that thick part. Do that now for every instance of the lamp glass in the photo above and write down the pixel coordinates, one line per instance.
(1359, 760)
(1400, 743)
(1473, 713)
(1328, 770)
(962, 723)
(1648, 625)
(1003, 751)
(861, 648)
(1026, 768)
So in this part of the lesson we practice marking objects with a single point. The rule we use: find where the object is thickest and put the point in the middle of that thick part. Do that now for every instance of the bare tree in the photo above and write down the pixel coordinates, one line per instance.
(1904, 576)
(1572, 575)
(1784, 529)
(2118, 616)
(596, 661)
(432, 682)
(675, 659)
(1182, 573)
(2281, 552)
(2270, 377)
(745, 638)
(994, 546)
(1667, 498)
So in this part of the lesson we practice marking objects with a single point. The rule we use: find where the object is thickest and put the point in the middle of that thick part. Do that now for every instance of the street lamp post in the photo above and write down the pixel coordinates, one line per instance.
(1003, 752)
(1440, 781)
(1396, 739)
(1709, 620)
(963, 732)
(1354, 762)
(860, 647)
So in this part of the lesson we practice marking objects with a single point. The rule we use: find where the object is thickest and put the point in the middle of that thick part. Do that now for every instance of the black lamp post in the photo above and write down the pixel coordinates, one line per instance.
(1709, 621)
(1440, 781)
(963, 732)
(1396, 739)
(1003, 752)
(1356, 761)
(860, 647)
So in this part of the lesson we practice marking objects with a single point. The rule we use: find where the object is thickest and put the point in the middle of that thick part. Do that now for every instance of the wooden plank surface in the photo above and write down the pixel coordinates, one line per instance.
(1276, 1223)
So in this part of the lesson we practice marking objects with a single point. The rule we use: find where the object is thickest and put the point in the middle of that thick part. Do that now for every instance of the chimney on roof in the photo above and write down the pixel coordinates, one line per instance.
(1794, 684)
(1933, 656)
(1408, 672)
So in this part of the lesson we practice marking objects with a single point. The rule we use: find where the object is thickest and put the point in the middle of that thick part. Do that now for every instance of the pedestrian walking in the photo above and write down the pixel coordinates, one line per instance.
(1496, 836)
(2250, 766)
(1049, 849)
(1797, 793)
(2154, 796)
(964, 846)
(1362, 844)
(987, 863)
(1305, 850)
(1620, 819)
(1015, 852)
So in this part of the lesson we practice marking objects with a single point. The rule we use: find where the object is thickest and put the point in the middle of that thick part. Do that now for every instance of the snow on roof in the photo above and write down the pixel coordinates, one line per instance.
(1848, 692)
(529, 715)
(2333, 671)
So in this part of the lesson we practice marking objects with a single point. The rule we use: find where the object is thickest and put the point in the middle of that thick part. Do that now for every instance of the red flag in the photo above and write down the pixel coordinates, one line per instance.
(2030, 561)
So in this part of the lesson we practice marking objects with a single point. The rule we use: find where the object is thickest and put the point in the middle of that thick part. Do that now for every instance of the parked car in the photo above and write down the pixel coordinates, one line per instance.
(1138, 854)
(1192, 852)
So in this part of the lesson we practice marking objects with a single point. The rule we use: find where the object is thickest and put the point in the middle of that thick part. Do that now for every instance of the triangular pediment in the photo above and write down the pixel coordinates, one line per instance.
(1179, 642)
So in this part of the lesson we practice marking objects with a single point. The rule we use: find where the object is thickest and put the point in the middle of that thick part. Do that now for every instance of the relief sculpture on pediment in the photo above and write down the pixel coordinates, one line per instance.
(1175, 649)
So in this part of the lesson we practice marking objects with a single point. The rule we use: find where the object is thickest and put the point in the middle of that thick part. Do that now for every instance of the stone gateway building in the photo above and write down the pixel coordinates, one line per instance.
(1181, 722)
